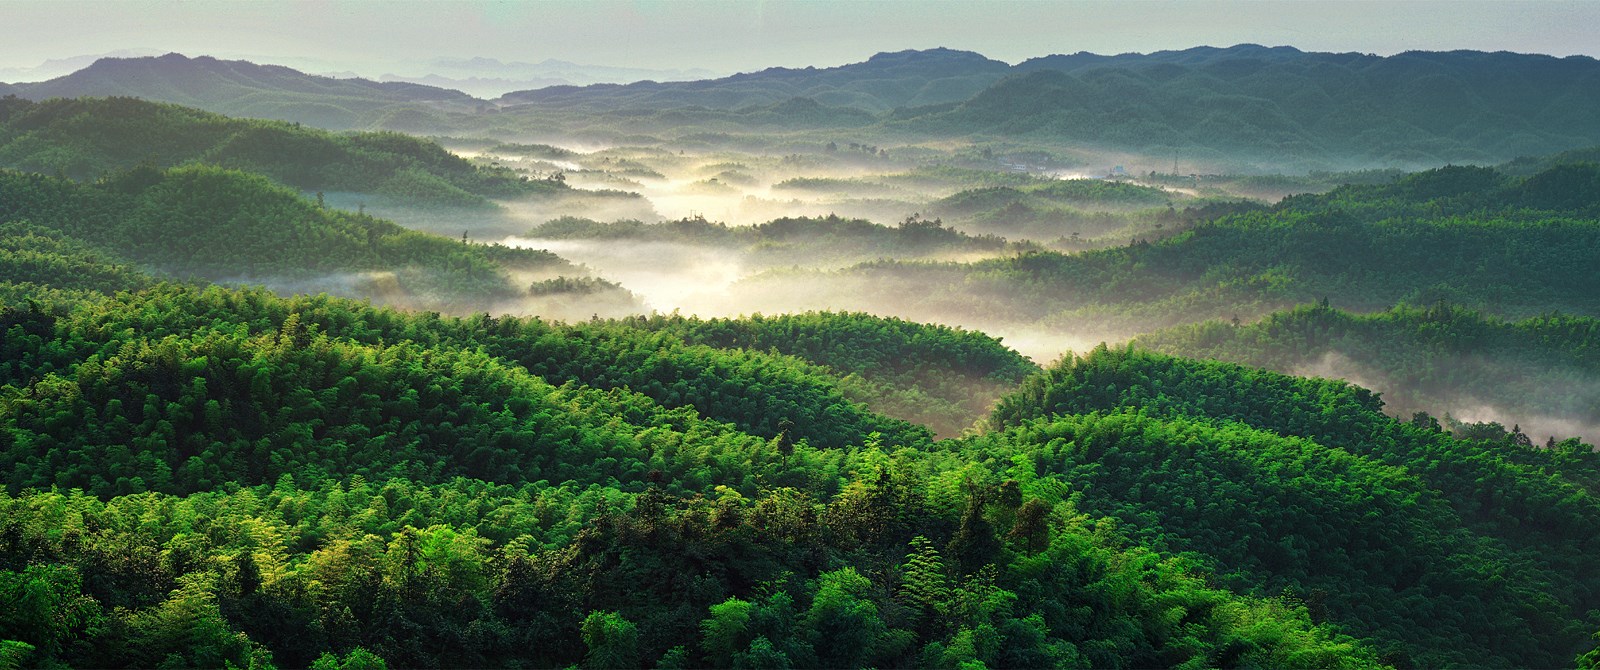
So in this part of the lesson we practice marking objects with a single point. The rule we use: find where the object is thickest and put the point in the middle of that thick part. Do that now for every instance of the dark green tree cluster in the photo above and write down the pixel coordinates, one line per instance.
(86, 138)
(237, 226)
(1080, 193)
(35, 260)
(1081, 213)
(788, 241)
(1467, 235)
(1250, 102)
(466, 574)
(1304, 486)
(1426, 359)
(212, 477)
(941, 377)
(761, 393)
(571, 285)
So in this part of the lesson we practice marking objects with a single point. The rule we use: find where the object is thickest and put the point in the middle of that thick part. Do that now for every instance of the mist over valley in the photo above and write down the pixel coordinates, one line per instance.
(473, 355)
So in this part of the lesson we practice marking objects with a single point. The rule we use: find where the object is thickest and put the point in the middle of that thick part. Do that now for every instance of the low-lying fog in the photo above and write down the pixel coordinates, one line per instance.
(668, 276)
(726, 275)
(1548, 397)
(731, 278)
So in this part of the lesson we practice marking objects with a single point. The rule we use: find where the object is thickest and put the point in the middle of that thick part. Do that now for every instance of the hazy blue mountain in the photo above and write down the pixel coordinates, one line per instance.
(483, 87)
(572, 73)
(491, 78)
(242, 88)
(1280, 103)
(1246, 104)
(56, 67)
(881, 83)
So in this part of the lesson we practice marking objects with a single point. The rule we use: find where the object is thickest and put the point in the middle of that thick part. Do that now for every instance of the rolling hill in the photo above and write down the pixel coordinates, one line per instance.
(1531, 376)
(380, 458)
(88, 138)
(1246, 106)
(1278, 105)
(242, 88)
(1510, 246)
(883, 82)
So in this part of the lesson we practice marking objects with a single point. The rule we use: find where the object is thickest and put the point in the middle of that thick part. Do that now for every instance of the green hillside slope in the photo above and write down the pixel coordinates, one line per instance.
(86, 138)
(311, 506)
(242, 88)
(1509, 246)
(1534, 373)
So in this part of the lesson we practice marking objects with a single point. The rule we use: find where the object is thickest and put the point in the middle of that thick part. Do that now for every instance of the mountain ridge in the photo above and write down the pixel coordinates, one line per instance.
(245, 88)
(1245, 106)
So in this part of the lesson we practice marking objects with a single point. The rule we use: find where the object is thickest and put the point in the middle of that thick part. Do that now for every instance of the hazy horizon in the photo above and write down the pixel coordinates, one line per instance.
(372, 39)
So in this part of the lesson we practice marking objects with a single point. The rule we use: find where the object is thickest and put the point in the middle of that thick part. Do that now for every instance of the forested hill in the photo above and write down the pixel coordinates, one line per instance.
(1243, 105)
(278, 481)
(1511, 246)
(240, 476)
(242, 227)
(89, 137)
(1211, 105)
(1414, 108)
(202, 475)
(40, 263)
(1532, 378)
(242, 88)
(941, 377)
(1203, 55)
(1304, 486)
(787, 241)
(291, 479)
(885, 81)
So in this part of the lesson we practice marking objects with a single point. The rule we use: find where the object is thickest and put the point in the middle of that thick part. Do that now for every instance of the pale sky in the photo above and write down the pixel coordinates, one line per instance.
(376, 36)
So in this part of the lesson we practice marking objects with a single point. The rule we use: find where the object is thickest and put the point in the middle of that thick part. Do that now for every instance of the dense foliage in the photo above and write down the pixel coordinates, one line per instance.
(1443, 358)
(239, 226)
(335, 484)
(1245, 105)
(196, 475)
(35, 259)
(1509, 246)
(85, 138)
(940, 377)
(1455, 551)
(1412, 108)
(787, 241)
(1079, 214)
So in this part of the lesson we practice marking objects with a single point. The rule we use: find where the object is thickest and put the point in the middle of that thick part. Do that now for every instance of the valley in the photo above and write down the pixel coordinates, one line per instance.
(1217, 357)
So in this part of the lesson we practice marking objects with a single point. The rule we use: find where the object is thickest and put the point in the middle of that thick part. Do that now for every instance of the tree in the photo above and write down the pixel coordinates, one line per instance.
(723, 633)
(762, 656)
(1032, 526)
(1590, 660)
(924, 587)
(974, 544)
(356, 659)
(43, 607)
(612, 640)
(844, 625)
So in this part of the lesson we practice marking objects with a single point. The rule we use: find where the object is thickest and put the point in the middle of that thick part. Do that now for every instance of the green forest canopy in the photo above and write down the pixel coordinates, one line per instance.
(86, 138)
(317, 474)
(1510, 246)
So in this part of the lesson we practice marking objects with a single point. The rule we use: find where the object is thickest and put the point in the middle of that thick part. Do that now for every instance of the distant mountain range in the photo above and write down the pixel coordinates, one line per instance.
(242, 88)
(881, 83)
(56, 67)
(1263, 104)
(489, 77)
(1413, 108)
